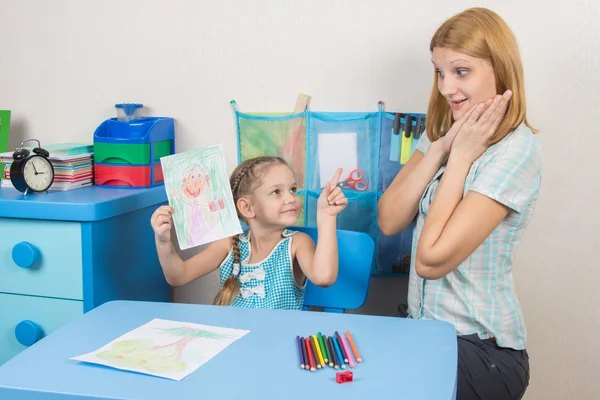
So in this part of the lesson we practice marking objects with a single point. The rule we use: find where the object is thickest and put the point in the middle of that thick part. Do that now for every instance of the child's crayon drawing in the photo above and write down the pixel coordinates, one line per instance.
(198, 189)
(169, 349)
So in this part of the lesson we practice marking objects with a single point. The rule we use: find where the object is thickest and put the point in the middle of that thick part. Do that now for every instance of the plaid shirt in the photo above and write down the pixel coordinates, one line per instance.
(479, 295)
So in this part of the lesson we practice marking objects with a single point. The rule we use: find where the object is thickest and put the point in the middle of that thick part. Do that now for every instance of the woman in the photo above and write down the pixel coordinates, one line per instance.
(472, 184)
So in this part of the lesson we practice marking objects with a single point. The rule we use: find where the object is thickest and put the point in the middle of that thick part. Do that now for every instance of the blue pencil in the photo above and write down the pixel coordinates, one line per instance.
(338, 352)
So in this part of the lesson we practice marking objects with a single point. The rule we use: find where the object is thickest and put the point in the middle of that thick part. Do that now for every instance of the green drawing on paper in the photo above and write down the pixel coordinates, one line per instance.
(164, 348)
(143, 353)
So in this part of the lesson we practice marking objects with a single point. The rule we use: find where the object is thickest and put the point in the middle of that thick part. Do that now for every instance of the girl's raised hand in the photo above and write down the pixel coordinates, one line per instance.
(332, 200)
(162, 222)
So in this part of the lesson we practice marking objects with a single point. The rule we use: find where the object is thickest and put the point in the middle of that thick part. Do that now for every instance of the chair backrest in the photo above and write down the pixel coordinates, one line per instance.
(355, 260)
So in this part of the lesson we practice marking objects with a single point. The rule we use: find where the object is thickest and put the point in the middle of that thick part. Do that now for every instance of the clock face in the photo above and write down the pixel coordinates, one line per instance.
(38, 173)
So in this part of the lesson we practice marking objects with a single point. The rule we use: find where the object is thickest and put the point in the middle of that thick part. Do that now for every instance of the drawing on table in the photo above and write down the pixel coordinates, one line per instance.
(198, 189)
(169, 349)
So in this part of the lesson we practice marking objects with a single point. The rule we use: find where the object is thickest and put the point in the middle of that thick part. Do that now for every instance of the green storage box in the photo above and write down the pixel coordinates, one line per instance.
(135, 154)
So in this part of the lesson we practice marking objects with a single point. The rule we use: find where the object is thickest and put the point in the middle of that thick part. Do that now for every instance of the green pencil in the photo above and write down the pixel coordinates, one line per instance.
(323, 348)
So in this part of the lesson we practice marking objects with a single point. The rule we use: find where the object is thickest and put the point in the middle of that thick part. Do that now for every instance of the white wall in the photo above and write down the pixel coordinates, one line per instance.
(65, 63)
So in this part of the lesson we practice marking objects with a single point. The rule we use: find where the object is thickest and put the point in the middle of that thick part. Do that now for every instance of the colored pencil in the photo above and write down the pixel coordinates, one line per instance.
(300, 352)
(336, 360)
(318, 350)
(328, 344)
(314, 353)
(306, 363)
(323, 348)
(338, 352)
(351, 341)
(342, 350)
(347, 350)
(310, 359)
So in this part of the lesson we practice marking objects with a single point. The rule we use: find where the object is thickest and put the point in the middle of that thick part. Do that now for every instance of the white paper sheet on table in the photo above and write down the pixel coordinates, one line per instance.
(165, 348)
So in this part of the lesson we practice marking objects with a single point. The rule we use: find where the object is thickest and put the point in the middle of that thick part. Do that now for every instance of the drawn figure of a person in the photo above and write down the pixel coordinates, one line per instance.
(196, 186)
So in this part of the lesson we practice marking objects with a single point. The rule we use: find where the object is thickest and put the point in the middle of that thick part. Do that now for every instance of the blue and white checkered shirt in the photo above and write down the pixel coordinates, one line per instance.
(268, 283)
(479, 295)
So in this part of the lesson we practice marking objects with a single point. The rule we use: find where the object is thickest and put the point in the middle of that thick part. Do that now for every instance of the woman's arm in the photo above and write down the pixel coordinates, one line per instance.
(455, 228)
(398, 205)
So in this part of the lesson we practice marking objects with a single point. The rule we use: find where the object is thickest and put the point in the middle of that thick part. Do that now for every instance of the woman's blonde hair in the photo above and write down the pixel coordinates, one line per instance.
(480, 33)
(244, 179)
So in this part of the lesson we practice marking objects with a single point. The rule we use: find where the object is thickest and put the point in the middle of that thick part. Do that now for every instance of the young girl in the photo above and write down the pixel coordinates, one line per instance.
(267, 265)
(472, 185)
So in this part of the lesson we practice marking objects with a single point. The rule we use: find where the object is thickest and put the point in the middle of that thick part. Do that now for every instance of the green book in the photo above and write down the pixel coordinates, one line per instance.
(4, 132)
(68, 149)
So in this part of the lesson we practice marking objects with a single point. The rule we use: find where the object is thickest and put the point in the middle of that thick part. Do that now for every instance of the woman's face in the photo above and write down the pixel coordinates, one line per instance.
(194, 184)
(463, 80)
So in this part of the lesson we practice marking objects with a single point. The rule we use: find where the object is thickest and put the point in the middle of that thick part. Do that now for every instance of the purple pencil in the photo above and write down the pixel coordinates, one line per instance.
(300, 352)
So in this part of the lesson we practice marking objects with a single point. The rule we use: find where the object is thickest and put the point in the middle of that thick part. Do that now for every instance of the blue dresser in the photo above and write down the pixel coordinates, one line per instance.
(65, 253)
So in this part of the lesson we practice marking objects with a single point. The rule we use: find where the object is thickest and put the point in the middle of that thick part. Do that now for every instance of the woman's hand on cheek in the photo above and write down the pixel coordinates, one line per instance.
(445, 142)
(472, 139)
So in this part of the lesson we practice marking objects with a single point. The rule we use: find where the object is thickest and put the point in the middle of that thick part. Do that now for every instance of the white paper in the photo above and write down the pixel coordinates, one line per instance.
(198, 189)
(169, 349)
(336, 150)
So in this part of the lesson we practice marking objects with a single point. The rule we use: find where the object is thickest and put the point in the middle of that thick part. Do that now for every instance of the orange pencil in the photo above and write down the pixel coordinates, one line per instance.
(354, 350)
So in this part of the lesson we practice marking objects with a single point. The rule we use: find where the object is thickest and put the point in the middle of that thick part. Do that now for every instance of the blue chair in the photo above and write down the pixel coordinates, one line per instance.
(355, 259)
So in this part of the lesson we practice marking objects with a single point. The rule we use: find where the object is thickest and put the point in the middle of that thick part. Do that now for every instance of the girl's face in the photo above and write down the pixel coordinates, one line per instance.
(275, 201)
(463, 80)
(194, 184)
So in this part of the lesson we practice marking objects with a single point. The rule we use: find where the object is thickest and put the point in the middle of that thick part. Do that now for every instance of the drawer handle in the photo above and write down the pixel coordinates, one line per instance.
(28, 332)
(25, 254)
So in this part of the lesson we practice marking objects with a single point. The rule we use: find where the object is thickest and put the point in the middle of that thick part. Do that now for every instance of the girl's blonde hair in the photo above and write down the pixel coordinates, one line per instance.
(480, 33)
(244, 179)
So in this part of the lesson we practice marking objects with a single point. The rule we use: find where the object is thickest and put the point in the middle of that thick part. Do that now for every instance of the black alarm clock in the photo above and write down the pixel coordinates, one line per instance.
(31, 172)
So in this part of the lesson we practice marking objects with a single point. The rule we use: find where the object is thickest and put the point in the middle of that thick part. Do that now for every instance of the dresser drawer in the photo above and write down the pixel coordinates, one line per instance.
(41, 258)
(29, 319)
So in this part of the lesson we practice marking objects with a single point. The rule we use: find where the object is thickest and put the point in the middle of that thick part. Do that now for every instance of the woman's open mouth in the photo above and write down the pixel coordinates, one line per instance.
(456, 104)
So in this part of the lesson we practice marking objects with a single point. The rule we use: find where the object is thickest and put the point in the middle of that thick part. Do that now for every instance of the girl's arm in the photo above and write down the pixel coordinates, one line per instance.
(178, 272)
(318, 263)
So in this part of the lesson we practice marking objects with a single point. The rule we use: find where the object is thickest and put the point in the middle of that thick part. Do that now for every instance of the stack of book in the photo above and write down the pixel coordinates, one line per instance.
(73, 165)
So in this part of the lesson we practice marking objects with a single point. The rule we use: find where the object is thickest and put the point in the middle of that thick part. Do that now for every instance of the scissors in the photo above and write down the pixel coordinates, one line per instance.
(355, 181)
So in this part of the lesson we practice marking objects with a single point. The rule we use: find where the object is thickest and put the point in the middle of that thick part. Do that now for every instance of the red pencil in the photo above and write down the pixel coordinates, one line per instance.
(309, 353)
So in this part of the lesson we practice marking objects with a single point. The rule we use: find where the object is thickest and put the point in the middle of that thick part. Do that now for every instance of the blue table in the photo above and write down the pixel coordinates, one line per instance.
(402, 358)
